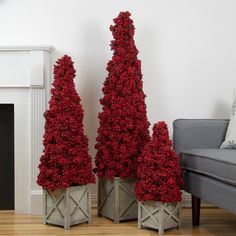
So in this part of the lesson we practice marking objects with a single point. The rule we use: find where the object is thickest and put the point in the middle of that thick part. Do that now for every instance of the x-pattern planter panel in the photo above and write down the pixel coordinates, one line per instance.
(117, 200)
(67, 207)
(158, 215)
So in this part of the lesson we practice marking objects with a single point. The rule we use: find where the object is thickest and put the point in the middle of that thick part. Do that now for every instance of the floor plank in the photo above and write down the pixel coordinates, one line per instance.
(213, 222)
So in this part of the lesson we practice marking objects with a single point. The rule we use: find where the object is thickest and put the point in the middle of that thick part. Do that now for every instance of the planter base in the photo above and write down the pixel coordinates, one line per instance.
(67, 207)
(116, 199)
(158, 215)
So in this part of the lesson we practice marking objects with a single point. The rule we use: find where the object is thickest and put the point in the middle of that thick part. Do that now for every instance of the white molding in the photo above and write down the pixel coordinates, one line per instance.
(94, 200)
(36, 192)
(37, 126)
(21, 154)
(14, 86)
(36, 59)
(30, 101)
(49, 48)
(36, 199)
(186, 201)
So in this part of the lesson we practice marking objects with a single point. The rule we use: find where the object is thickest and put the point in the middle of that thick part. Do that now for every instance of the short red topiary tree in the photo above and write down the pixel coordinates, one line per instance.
(159, 169)
(123, 130)
(65, 161)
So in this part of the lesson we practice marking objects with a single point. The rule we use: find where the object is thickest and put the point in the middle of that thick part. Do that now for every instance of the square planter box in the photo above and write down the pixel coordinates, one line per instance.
(116, 199)
(67, 207)
(159, 215)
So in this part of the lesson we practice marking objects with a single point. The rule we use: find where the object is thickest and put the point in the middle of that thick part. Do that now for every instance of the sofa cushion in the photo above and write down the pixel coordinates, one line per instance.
(216, 163)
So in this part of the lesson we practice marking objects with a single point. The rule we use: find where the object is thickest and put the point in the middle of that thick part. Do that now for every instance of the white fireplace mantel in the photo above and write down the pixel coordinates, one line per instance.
(48, 48)
(25, 82)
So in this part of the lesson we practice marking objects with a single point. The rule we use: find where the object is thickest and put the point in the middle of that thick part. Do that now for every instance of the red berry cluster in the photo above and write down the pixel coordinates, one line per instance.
(159, 169)
(65, 161)
(123, 130)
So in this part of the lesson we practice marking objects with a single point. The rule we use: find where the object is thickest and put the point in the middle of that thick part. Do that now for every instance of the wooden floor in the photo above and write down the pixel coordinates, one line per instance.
(213, 222)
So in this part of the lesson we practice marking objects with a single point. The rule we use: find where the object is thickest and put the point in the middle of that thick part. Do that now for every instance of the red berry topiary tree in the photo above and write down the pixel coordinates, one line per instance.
(159, 169)
(123, 130)
(65, 161)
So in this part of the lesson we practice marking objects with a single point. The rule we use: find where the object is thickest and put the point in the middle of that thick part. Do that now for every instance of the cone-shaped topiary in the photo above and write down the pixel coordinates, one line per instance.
(123, 130)
(65, 161)
(159, 169)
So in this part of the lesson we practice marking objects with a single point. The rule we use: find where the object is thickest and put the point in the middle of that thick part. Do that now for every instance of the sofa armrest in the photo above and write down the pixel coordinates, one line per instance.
(198, 133)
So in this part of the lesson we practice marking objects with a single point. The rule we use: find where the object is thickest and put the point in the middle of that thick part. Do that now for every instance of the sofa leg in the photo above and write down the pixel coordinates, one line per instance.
(196, 204)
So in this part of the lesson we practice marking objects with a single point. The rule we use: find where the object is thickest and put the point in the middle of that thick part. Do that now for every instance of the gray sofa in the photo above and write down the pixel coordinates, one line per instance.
(209, 172)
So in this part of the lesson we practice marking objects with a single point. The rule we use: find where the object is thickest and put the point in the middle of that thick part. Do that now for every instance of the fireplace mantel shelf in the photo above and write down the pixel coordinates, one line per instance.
(48, 48)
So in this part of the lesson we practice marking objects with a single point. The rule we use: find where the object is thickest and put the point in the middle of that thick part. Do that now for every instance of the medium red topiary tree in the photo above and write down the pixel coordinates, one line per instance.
(65, 161)
(159, 169)
(123, 130)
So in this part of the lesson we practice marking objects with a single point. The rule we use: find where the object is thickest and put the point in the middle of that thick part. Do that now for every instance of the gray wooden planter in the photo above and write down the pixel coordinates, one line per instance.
(159, 215)
(116, 199)
(67, 207)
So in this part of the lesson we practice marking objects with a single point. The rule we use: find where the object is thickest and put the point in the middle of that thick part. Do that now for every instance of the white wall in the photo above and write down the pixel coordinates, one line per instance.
(187, 48)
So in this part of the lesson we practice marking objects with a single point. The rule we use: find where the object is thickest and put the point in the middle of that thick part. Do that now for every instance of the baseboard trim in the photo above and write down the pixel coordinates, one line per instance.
(36, 202)
(186, 201)
(36, 197)
(94, 200)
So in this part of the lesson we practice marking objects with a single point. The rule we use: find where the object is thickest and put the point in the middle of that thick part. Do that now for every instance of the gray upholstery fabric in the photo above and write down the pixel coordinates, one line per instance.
(211, 190)
(216, 163)
(198, 133)
(209, 173)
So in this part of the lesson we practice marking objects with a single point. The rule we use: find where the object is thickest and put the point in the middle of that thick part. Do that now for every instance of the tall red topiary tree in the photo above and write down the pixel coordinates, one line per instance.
(65, 161)
(159, 169)
(123, 130)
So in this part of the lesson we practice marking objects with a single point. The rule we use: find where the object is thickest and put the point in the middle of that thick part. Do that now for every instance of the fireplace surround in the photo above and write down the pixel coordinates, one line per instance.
(25, 82)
